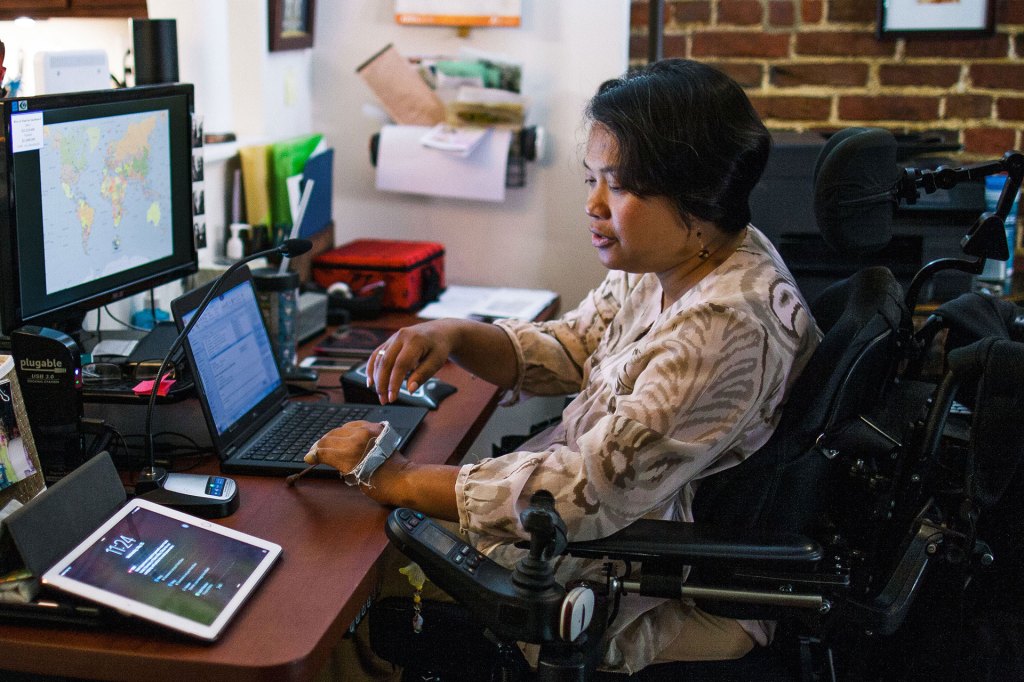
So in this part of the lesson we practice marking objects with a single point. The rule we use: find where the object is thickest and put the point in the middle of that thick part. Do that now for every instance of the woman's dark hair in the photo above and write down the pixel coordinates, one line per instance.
(685, 131)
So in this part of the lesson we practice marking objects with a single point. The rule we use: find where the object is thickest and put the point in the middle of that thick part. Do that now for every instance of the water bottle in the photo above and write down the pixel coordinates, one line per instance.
(995, 278)
(278, 294)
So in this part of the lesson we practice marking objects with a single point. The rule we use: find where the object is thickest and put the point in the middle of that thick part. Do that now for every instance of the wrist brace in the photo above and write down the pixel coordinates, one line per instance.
(380, 449)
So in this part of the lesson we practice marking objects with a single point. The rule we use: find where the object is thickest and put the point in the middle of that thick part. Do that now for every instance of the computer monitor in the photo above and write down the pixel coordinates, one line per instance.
(95, 200)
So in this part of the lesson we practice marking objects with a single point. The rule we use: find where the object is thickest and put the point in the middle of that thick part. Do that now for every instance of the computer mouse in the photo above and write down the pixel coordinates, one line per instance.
(428, 395)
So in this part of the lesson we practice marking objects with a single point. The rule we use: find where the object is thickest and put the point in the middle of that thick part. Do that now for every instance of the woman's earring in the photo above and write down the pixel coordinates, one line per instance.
(703, 254)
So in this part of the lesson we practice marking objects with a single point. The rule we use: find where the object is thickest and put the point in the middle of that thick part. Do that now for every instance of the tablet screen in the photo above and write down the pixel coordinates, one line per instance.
(168, 567)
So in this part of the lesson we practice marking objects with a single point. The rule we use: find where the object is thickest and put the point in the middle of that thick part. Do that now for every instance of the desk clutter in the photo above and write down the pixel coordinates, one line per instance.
(282, 191)
(81, 553)
(304, 520)
(458, 125)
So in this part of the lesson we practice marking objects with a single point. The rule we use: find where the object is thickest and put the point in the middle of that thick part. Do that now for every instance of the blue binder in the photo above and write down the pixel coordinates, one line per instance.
(320, 169)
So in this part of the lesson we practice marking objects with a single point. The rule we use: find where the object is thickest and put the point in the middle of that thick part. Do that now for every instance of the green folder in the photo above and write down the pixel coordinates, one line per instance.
(287, 158)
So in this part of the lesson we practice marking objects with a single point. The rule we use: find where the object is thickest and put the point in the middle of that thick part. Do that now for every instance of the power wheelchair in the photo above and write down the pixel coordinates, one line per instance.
(882, 517)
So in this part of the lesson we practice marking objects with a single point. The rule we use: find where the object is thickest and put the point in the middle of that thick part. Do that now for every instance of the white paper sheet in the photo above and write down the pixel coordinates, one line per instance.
(489, 303)
(405, 165)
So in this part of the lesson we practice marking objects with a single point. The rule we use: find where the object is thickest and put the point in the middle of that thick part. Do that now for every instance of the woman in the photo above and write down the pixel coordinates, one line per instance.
(681, 358)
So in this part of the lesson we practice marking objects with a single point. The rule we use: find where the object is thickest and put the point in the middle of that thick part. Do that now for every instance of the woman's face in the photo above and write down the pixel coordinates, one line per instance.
(630, 233)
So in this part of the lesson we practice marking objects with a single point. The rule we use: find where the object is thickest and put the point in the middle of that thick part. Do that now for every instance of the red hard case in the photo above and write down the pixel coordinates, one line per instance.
(413, 272)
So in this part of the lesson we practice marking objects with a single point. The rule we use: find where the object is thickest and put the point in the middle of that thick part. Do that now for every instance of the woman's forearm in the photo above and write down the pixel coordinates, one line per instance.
(486, 351)
(429, 488)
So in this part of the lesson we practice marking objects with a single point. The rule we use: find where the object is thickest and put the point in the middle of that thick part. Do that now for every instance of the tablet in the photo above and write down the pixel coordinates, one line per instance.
(166, 567)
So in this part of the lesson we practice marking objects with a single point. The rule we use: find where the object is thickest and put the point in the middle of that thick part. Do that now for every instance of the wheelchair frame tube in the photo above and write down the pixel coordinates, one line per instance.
(814, 602)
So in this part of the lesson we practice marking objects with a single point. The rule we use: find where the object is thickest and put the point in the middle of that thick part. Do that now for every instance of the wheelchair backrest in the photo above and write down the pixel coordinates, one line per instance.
(785, 484)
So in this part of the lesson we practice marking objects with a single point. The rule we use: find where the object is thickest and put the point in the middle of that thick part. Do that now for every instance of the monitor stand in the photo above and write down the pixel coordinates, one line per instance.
(155, 344)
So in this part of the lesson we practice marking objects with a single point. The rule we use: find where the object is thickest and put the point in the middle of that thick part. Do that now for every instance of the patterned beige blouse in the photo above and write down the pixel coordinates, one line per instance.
(665, 399)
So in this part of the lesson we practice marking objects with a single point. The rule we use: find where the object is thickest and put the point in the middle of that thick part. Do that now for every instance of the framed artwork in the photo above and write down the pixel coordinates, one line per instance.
(937, 18)
(291, 24)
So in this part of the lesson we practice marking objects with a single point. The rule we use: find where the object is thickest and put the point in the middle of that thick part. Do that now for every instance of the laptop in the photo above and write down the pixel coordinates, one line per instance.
(256, 428)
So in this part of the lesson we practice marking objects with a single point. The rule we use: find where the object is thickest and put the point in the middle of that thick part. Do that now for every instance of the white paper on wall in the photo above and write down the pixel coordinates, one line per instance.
(405, 165)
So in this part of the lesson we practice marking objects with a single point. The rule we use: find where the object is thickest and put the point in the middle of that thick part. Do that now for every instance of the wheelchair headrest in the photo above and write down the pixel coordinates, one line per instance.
(854, 179)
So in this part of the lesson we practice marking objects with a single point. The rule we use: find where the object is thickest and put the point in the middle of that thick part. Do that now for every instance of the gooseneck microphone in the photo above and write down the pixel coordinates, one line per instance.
(153, 477)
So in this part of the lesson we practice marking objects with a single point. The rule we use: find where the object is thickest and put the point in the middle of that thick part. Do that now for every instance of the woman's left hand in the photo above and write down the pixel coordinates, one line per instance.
(344, 447)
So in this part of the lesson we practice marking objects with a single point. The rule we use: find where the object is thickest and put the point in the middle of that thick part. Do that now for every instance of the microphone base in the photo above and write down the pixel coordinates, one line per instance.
(211, 497)
(194, 504)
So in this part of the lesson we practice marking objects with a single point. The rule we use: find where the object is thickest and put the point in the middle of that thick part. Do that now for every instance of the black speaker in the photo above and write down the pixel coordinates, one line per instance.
(49, 367)
(155, 42)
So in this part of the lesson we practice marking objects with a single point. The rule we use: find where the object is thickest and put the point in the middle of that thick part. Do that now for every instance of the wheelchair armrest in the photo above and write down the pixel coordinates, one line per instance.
(692, 543)
(886, 611)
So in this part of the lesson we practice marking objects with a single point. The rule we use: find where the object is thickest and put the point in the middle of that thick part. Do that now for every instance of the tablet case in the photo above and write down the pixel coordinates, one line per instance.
(52, 523)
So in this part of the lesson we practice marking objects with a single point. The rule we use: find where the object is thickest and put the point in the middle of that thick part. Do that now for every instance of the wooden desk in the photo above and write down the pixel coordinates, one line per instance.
(332, 538)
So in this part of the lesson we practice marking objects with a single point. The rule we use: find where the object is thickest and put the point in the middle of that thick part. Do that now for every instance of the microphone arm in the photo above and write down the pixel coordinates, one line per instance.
(943, 177)
(152, 476)
(986, 238)
(946, 178)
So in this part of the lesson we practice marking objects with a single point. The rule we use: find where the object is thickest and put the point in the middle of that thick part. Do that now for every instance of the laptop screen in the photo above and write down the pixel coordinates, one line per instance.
(232, 355)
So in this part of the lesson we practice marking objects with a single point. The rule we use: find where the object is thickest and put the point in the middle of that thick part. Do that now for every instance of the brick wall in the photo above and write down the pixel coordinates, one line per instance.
(817, 65)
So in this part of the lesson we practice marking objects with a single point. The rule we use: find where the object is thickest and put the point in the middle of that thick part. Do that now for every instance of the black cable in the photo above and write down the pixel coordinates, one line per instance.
(191, 444)
(123, 323)
(197, 459)
(177, 434)
(169, 453)
(124, 443)
(112, 434)
(300, 391)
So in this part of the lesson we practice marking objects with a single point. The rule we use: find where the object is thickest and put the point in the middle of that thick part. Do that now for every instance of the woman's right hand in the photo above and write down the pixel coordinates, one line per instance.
(412, 354)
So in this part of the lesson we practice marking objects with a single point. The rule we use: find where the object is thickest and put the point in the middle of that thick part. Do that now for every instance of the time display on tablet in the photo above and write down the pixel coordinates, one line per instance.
(120, 545)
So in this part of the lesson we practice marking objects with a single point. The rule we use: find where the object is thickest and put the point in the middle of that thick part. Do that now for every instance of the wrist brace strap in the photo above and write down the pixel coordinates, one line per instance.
(381, 448)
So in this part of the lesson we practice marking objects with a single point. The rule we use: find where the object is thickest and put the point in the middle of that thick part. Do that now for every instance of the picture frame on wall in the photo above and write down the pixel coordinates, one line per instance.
(936, 18)
(291, 24)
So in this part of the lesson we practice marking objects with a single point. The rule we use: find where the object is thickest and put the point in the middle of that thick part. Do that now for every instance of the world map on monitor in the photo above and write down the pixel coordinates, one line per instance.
(106, 196)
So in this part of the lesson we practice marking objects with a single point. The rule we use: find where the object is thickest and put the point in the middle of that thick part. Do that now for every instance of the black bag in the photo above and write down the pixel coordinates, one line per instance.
(451, 644)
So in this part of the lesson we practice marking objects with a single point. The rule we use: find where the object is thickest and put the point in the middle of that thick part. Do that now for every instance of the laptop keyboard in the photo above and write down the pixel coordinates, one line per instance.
(299, 428)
